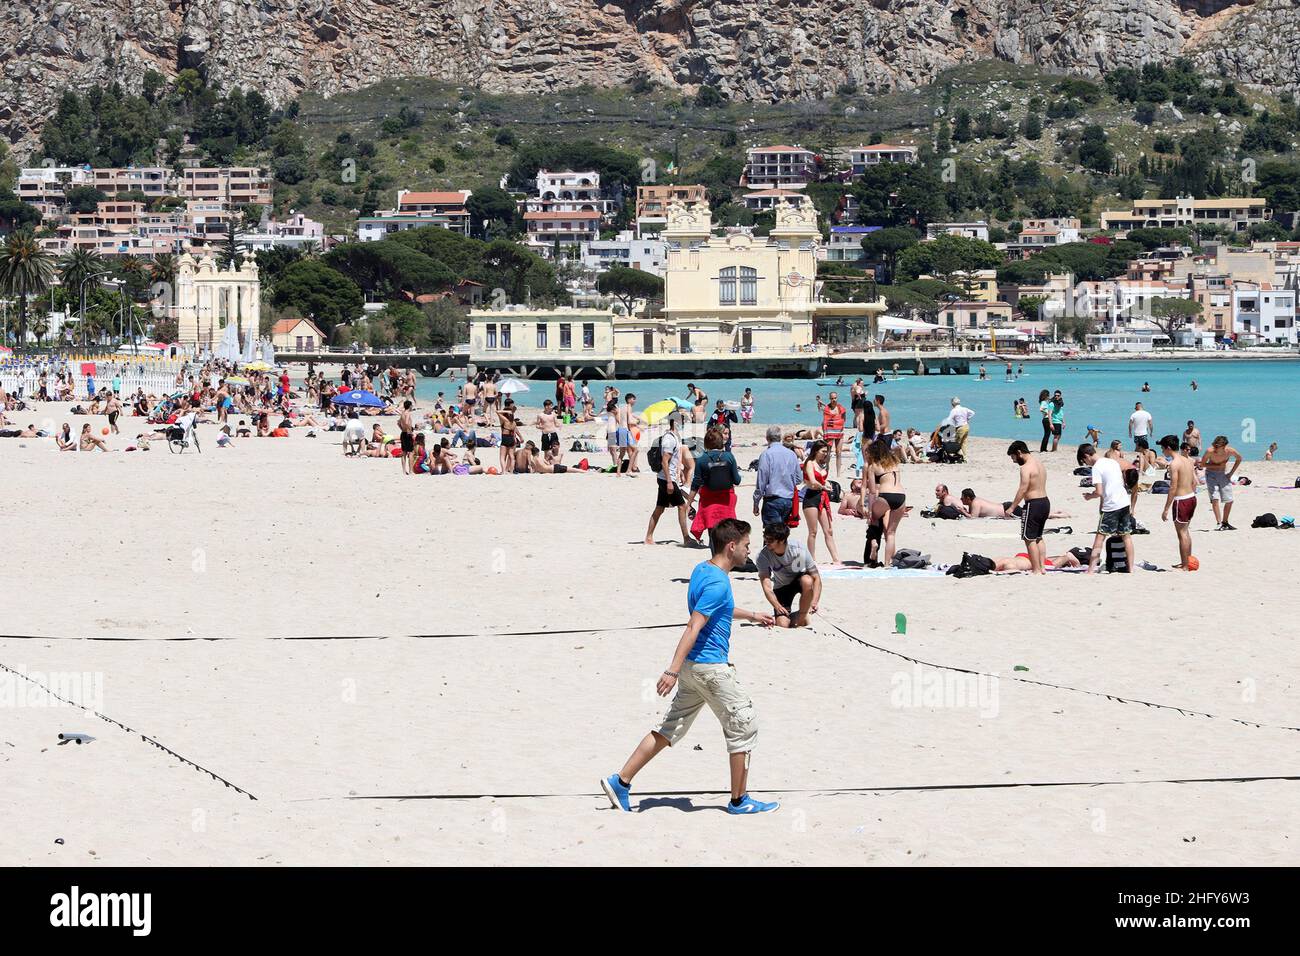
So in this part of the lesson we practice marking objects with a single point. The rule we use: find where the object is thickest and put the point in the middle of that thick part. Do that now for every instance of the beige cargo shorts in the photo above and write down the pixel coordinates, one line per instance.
(715, 685)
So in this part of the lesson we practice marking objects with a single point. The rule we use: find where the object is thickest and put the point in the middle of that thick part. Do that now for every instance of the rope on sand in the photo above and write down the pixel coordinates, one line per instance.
(145, 737)
(825, 791)
(1186, 712)
(353, 637)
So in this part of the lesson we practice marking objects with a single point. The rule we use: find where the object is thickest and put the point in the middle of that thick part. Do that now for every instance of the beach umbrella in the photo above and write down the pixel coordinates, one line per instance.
(512, 385)
(257, 367)
(683, 403)
(360, 398)
(657, 412)
(237, 380)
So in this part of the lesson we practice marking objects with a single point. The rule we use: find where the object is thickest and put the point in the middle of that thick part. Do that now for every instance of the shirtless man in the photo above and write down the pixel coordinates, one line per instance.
(1181, 499)
(471, 398)
(113, 408)
(975, 507)
(882, 416)
(539, 465)
(624, 419)
(944, 497)
(550, 429)
(1192, 436)
(489, 398)
(406, 423)
(1033, 492)
(1218, 478)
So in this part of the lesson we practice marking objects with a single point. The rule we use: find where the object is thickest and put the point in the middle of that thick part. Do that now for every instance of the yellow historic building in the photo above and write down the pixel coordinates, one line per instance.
(732, 293)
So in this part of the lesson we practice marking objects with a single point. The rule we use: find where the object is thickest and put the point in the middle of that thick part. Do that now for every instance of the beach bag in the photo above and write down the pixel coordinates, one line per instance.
(654, 455)
(1266, 520)
(947, 512)
(972, 565)
(910, 558)
(717, 474)
(1116, 559)
(1085, 470)
(793, 520)
(835, 492)
(1083, 554)
(1160, 487)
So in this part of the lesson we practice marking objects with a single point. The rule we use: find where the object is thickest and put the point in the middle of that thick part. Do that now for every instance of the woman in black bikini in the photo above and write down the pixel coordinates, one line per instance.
(884, 492)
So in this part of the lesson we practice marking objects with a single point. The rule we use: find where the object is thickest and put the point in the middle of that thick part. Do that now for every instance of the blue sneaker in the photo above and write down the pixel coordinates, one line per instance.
(616, 792)
(749, 805)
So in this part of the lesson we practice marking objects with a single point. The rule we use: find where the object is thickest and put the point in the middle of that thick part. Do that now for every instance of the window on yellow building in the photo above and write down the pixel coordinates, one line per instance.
(748, 286)
(727, 286)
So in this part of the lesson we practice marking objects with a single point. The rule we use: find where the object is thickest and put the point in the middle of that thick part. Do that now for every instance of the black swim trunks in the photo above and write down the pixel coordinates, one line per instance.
(550, 440)
(666, 500)
(408, 442)
(1034, 518)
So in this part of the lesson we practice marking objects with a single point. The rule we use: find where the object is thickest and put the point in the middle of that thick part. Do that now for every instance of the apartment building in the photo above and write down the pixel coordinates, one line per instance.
(236, 185)
(1238, 215)
(764, 200)
(1262, 313)
(652, 204)
(1039, 234)
(415, 210)
(778, 166)
(625, 249)
(845, 245)
(965, 230)
(861, 157)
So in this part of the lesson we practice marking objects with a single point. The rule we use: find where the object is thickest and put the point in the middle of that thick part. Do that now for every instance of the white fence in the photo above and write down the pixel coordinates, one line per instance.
(154, 377)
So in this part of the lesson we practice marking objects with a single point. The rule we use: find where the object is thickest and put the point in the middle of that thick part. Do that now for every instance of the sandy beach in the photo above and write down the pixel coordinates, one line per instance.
(439, 670)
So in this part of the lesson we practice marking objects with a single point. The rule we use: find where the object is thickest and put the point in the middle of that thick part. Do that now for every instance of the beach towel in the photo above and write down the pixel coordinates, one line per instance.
(865, 572)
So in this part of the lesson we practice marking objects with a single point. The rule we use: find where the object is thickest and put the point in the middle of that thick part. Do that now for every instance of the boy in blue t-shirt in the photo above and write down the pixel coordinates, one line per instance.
(700, 664)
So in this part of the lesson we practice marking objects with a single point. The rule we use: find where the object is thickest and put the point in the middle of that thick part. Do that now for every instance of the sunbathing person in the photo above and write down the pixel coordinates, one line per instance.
(64, 439)
(89, 442)
(538, 464)
(1071, 559)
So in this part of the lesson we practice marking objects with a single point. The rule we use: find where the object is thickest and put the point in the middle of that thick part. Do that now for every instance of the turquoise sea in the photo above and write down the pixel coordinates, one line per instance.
(1252, 402)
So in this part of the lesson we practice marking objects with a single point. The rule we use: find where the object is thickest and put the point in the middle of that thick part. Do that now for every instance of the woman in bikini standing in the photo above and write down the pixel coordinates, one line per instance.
(509, 436)
(884, 498)
(816, 500)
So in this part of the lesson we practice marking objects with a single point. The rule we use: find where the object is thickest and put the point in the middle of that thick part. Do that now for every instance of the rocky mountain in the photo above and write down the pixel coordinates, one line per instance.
(774, 50)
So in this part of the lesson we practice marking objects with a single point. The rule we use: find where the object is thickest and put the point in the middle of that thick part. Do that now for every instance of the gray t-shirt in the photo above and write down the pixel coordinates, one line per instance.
(784, 568)
(671, 448)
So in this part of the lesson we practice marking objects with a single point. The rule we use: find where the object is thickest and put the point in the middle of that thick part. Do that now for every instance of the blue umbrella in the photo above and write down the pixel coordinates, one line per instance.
(359, 397)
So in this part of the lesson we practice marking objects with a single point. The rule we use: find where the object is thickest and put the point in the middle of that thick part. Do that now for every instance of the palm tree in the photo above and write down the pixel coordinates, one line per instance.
(163, 268)
(40, 326)
(25, 270)
(310, 249)
(77, 266)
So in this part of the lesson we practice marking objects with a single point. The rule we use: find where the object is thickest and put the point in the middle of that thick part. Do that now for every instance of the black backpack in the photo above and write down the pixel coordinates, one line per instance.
(1116, 559)
(835, 491)
(947, 512)
(1160, 487)
(717, 474)
(1266, 520)
(972, 565)
(654, 455)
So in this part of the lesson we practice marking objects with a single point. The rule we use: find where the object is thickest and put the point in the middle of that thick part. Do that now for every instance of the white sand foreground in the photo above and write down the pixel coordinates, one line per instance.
(276, 539)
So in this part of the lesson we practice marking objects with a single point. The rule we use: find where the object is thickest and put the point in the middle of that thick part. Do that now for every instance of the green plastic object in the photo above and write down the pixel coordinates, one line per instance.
(1021, 667)
(900, 623)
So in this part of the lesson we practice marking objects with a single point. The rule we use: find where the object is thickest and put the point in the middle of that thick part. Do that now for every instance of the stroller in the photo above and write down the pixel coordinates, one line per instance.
(180, 437)
(949, 453)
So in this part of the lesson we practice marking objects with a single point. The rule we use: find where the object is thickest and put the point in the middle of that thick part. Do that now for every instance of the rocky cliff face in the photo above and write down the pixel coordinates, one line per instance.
(770, 50)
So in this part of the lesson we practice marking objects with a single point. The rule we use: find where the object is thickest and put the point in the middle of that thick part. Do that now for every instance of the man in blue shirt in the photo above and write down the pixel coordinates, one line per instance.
(778, 476)
(700, 665)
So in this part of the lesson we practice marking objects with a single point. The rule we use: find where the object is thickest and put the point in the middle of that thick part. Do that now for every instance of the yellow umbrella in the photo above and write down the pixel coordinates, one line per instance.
(654, 414)
(257, 366)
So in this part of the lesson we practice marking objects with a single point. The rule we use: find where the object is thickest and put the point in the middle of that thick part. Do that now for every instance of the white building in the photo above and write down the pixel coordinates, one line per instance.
(1039, 234)
(1263, 313)
(779, 166)
(861, 157)
(966, 230)
(296, 232)
(762, 200)
(415, 210)
(648, 255)
(568, 191)
(845, 245)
